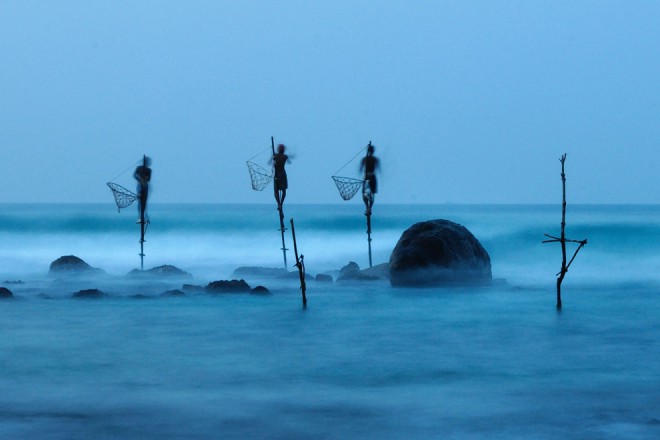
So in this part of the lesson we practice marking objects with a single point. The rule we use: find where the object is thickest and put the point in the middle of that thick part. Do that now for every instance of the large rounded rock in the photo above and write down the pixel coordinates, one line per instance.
(70, 264)
(437, 253)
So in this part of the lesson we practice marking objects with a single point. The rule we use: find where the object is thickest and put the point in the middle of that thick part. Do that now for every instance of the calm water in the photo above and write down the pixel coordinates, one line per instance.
(363, 361)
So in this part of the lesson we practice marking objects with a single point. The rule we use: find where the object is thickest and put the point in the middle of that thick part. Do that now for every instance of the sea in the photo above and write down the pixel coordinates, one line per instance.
(363, 360)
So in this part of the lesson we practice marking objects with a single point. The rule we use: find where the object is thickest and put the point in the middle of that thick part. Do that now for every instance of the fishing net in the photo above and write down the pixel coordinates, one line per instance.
(259, 176)
(123, 196)
(347, 186)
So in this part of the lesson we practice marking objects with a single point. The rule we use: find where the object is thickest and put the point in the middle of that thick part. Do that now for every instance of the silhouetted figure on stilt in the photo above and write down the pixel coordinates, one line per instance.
(143, 176)
(280, 180)
(370, 165)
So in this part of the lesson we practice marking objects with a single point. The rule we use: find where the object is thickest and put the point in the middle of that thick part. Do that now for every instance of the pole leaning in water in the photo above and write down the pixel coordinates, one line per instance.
(300, 264)
(279, 206)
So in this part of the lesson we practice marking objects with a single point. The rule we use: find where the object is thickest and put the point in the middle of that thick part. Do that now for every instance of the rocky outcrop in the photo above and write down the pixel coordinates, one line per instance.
(226, 286)
(436, 253)
(172, 293)
(72, 265)
(260, 290)
(323, 278)
(5, 293)
(164, 271)
(88, 294)
(352, 272)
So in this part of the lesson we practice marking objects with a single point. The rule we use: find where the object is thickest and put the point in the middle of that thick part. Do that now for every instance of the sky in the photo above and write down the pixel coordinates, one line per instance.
(465, 101)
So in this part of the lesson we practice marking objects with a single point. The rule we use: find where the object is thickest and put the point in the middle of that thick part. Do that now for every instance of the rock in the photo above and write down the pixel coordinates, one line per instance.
(260, 290)
(350, 269)
(6, 293)
(70, 264)
(224, 286)
(436, 253)
(173, 292)
(192, 288)
(323, 278)
(164, 271)
(352, 272)
(89, 293)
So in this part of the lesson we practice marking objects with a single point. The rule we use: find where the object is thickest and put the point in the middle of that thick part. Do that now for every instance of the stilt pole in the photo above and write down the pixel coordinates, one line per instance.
(562, 237)
(300, 264)
(369, 236)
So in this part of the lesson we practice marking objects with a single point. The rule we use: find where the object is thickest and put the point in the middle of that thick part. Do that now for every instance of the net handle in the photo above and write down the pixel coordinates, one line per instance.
(352, 158)
(261, 152)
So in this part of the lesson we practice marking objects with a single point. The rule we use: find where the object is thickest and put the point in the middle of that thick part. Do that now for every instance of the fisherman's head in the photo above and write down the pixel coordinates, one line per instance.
(280, 148)
(370, 150)
(146, 161)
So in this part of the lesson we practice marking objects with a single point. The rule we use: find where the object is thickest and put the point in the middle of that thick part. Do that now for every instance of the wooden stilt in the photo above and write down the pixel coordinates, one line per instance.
(300, 264)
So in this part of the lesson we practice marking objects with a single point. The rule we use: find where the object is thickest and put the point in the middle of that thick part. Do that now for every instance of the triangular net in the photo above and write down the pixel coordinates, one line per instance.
(123, 196)
(259, 176)
(347, 186)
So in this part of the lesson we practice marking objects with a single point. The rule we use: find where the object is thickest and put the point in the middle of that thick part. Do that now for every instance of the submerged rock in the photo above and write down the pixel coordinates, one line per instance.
(352, 272)
(260, 290)
(225, 286)
(436, 253)
(6, 293)
(323, 278)
(88, 293)
(164, 271)
(173, 292)
(70, 264)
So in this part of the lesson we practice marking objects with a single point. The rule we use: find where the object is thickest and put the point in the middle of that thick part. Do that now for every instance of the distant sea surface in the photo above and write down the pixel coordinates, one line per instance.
(363, 361)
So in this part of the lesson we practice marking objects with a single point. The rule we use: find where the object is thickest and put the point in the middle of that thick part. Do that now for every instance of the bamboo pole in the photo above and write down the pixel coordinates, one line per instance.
(300, 264)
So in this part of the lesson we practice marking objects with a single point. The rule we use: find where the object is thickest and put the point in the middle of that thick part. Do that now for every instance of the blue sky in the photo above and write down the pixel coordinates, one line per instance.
(466, 101)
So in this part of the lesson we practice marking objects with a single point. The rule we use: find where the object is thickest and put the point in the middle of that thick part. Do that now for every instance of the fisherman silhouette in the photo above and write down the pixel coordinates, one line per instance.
(143, 175)
(369, 187)
(280, 182)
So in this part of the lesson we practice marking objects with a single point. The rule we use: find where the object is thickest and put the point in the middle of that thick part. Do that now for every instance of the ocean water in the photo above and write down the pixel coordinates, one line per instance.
(363, 361)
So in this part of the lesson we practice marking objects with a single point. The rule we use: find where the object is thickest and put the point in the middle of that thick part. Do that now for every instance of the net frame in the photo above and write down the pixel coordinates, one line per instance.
(259, 176)
(348, 186)
(123, 197)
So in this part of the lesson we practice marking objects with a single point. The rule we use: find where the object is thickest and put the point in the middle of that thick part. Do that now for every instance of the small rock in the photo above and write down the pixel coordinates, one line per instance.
(6, 293)
(174, 292)
(260, 290)
(164, 271)
(351, 272)
(323, 278)
(89, 293)
(224, 286)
